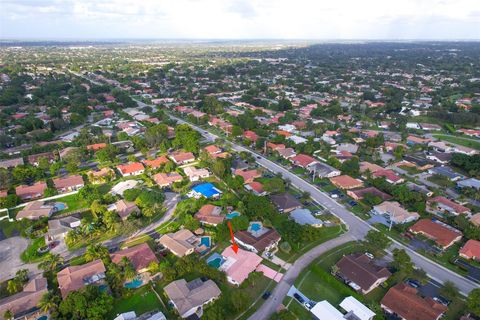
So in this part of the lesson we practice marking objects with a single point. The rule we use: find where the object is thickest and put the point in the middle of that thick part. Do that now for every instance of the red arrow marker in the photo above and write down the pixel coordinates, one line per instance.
(234, 245)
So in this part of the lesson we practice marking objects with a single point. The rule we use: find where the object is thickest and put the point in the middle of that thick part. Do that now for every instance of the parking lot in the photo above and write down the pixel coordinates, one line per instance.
(10, 261)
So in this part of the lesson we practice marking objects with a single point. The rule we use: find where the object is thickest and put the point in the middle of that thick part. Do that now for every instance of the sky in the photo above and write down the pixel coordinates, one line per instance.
(240, 19)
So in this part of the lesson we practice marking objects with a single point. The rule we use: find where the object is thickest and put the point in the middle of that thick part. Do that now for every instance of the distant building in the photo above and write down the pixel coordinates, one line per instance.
(443, 234)
(33, 191)
(346, 182)
(394, 212)
(26, 300)
(131, 169)
(285, 202)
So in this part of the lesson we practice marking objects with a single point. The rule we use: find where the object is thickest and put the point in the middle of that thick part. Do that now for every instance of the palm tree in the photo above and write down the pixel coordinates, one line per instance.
(8, 315)
(51, 262)
(95, 251)
(47, 302)
(13, 286)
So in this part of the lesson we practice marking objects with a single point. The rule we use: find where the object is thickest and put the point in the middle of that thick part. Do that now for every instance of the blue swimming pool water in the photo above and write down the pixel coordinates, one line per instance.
(206, 189)
(135, 283)
(43, 318)
(256, 226)
(60, 206)
(205, 241)
(233, 215)
(215, 260)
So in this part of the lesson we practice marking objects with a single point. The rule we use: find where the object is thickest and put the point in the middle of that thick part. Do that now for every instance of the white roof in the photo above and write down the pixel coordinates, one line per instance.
(120, 187)
(358, 308)
(325, 311)
(131, 315)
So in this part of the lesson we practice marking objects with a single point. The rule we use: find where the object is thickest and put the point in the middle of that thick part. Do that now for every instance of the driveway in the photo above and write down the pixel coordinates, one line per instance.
(10, 261)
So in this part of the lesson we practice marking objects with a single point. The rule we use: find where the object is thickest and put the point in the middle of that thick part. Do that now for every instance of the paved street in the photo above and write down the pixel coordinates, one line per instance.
(10, 261)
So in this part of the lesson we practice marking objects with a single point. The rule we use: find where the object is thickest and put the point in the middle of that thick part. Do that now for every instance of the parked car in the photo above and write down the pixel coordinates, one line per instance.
(352, 203)
(266, 295)
(441, 300)
(298, 297)
(368, 254)
(412, 283)
(309, 305)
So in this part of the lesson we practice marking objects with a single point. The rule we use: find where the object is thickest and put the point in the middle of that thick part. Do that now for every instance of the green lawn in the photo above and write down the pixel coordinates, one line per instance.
(459, 140)
(30, 254)
(141, 300)
(10, 229)
(72, 203)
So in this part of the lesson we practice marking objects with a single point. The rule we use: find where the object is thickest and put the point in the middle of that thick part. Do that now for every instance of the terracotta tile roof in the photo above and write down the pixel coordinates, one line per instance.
(74, 278)
(34, 158)
(240, 264)
(25, 300)
(303, 160)
(155, 163)
(441, 234)
(248, 175)
(181, 157)
(30, 192)
(140, 256)
(360, 193)
(67, 182)
(210, 214)
(404, 301)
(372, 167)
(360, 269)
(387, 174)
(471, 250)
(475, 219)
(250, 135)
(130, 168)
(96, 146)
(166, 179)
(256, 186)
(457, 208)
(346, 182)
(283, 133)
(275, 146)
(212, 149)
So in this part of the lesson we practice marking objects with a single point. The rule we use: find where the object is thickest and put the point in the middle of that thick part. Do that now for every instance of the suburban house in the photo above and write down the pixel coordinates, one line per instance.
(239, 265)
(195, 174)
(354, 307)
(389, 175)
(443, 234)
(248, 175)
(215, 152)
(258, 241)
(210, 214)
(369, 167)
(124, 208)
(180, 157)
(34, 159)
(35, 210)
(355, 310)
(103, 175)
(359, 194)
(140, 256)
(96, 146)
(167, 179)
(360, 273)
(285, 202)
(68, 184)
(403, 301)
(304, 217)
(250, 135)
(131, 169)
(74, 278)
(446, 172)
(346, 182)
(286, 153)
(394, 212)
(58, 228)
(155, 163)
(419, 188)
(441, 204)
(188, 298)
(181, 243)
(413, 140)
(323, 310)
(323, 170)
(303, 160)
(475, 220)
(123, 186)
(471, 250)
(11, 163)
(34, 191)
(469, 183)
(440, 157)
(25, 301)
(255, 187)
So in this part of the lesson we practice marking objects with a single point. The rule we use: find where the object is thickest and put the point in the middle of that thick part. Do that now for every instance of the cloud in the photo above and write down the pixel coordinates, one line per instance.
(339, 19)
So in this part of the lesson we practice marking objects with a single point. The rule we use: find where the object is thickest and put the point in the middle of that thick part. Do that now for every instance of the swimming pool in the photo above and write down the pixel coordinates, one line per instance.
(207, 190)
(59, 206)
(256, 226)
(215, 260)
(43, 318)
(233, 215)
(135, 283)
(205, 241)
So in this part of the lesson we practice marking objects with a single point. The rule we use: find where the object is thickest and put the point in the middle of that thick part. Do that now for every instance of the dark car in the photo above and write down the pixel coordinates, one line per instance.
(352, 203)
(298, 297)
(412, 283)
(266, 295)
